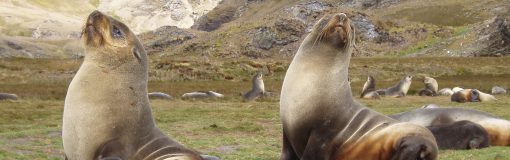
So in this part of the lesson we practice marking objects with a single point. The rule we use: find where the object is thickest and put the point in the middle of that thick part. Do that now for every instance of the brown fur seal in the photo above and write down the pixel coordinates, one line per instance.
(398, 90)
(159, 95)
(431, 87)
(368, 90)
(8, 96)
(107, 113)
(497, 128)
(498, 90)
(257, 89)
(471, 95)
(460, 135)
(202, 94)
(320, 118)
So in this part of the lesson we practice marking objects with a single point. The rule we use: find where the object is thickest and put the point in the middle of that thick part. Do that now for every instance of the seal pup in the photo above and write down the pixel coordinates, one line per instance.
(445, 92)
(368, 90)
(456, 89)
(8, 96)
(460, 135)
(498, 90)
(320, 118)
(202, 94)
(257, 89)
(107, 114)
(430, 87)
(471, 95)
(497, 128)
(398, 90)
(159, 95)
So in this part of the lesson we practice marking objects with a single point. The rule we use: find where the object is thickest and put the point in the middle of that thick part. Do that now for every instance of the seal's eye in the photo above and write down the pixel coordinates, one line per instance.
(116, 32)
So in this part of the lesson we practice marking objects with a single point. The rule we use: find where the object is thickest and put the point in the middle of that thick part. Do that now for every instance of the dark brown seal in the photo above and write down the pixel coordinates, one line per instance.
(460, 135)
(320, 118)
(497, 128)
(107, 114)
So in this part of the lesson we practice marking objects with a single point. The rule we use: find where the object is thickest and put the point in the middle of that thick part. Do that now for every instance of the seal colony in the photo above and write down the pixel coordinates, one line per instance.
(497, 128)
(107, 114)
(471, 95)
(320, 118)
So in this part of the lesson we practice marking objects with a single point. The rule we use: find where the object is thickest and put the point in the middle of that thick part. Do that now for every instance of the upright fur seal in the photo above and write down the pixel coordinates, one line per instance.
(430, 87)
(320, 118)
(368, 90)
(257, 89)
(107, 113)
(460, 135)
(497, 128)
(398, 90)
(471, 95)
(8, 96)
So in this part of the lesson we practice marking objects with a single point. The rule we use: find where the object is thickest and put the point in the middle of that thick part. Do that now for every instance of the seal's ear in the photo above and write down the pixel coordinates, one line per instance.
(136, 53)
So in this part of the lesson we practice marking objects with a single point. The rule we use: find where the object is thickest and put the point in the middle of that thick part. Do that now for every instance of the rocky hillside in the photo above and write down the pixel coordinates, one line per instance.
(261, 29)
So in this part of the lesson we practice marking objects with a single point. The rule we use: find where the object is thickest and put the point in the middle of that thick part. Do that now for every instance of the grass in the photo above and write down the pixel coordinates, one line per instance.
(228, 128)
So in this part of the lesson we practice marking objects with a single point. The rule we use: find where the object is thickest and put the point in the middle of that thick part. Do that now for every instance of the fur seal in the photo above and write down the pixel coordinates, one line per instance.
(498, 90)
(471, 95)
(368, 90)
(445, 92)
(430, 87)
(320, 118)
(456, 89)
(202, 94)
(430, 106)
(398, 90)
(497, 128)
(257, 89)
(159, 95)
(8, 96)
(460, 135)
(107, 114)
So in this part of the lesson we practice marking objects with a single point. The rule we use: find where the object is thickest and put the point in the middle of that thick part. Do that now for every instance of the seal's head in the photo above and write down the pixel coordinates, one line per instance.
(475, 95)
(109, 39)
(335, 31)
(408, 78)
(259, 75)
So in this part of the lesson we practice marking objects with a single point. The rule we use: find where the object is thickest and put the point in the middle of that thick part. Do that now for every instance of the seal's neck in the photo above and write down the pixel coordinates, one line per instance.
(322, 68)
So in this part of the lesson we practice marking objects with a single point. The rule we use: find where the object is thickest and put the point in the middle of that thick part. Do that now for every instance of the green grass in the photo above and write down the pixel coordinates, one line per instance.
(228, 128)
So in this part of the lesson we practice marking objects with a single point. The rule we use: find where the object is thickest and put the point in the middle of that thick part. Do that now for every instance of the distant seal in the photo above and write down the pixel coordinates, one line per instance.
(431, 87)
(445, 92)
(8, 96)
(456, 89)
(430, 106)
(368, 90)
(498, 90)
(471, 95)
(398, 90)
(159, 95)
(497, 128)
(202, 94)
(320, 118)
(460, 135)
(257, 89)
(106, 111)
